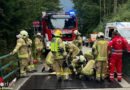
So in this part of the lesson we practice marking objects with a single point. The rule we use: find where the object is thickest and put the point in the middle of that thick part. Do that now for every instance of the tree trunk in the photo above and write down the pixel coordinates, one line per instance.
(100, 10)
(115, 6)
(104, 7)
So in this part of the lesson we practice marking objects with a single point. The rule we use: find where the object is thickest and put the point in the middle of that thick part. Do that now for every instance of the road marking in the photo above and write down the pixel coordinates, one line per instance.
(84, 85)
(124, 83)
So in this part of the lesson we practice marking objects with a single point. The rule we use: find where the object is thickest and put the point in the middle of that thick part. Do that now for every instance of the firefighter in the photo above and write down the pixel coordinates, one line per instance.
(88, 69)
(100, 47)
(38, 46)
(72, 51)
(48, 65)
(22, 50)
(58, 51)
(88, 55)
(117, 45)
(78, 64)
(78, 40)
(31, 66)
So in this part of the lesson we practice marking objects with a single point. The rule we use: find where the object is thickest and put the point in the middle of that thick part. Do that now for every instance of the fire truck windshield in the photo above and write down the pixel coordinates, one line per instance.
(61, 23)
(125, 33)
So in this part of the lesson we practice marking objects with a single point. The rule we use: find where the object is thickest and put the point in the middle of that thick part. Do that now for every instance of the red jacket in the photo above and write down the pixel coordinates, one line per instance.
(118, 44)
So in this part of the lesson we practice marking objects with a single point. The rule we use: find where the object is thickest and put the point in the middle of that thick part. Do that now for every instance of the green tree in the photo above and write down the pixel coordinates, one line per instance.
(19, 14)
(95, 12)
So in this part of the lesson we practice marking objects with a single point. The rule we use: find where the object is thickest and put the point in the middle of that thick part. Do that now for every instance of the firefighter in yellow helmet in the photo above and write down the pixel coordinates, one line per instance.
(78, 40)
(38, 46)
(100, 46)
(58, 51)
(23, 51)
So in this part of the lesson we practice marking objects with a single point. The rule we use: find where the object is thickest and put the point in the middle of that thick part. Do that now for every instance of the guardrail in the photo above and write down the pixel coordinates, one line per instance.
(2, 68)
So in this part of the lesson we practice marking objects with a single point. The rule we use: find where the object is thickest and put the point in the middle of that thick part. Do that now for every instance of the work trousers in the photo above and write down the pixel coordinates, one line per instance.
(24, 64)
(60, 71)
(116, 62)
(101, 69)
(39, 55)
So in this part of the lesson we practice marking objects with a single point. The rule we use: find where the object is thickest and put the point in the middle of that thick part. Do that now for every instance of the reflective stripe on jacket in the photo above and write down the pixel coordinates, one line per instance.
(21, 48)
(101, 49)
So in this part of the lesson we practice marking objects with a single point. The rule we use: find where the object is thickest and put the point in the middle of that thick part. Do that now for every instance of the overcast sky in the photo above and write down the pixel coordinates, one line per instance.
(67, 5)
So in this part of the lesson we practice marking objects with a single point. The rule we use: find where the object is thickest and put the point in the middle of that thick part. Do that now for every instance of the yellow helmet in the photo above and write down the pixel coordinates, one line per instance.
(24, 33)
(58, 33)
(76, 32)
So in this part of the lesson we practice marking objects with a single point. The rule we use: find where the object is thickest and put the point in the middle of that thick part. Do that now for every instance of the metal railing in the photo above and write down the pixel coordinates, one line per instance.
(2, 68)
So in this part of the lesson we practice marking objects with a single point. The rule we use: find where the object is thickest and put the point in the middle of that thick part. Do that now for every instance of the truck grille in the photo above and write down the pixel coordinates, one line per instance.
(66, 36)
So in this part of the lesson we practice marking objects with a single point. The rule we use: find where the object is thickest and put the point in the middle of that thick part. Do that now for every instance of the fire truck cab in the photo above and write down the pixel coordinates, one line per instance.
(51, 21)
(122, 27)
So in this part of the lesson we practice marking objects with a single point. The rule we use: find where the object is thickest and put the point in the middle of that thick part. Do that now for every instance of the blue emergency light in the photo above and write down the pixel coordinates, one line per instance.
(71, 12)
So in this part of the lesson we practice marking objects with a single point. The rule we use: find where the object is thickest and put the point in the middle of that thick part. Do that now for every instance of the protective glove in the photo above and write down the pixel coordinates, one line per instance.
(61, 50)
(79, 44)
(70, 67)
(43, 50)
(29, 45)
(80, 63)
(29, 63)
(64, 64)
(12, 53)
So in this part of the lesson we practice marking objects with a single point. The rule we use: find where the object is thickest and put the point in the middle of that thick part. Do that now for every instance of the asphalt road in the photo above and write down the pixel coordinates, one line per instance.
(39, 80)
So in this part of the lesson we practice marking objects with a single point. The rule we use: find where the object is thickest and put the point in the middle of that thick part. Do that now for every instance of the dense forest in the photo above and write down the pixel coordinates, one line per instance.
(94, 14)
(19, 14)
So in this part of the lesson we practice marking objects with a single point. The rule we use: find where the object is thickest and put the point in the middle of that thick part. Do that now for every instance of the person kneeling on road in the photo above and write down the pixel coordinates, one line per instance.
(78, 63)
(88, 69)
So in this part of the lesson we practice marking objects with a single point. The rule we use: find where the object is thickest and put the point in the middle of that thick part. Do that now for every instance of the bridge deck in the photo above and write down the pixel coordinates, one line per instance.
(50, 82)
(40, 80)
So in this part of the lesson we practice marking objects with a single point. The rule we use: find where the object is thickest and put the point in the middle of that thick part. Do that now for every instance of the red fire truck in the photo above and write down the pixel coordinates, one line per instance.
(66, 22)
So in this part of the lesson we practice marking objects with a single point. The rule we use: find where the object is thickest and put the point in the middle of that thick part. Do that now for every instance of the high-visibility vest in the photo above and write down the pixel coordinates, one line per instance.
(54, 44)
(102, 50)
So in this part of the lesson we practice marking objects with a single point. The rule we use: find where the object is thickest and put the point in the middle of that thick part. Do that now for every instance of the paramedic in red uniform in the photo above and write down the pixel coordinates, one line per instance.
(117, 45)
